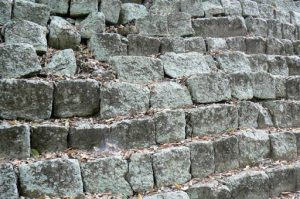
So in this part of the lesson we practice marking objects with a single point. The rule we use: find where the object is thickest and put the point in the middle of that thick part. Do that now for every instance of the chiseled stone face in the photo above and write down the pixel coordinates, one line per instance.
(111, 9)
(94, 23)
(5, 10)
(56, 6)
(83, 7)
(8, 182)
(132, 11)
(283, 146)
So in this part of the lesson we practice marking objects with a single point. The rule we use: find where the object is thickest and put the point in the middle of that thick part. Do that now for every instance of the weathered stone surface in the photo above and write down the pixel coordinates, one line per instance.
(8, 182)
(180, 24)
(283, 146)
(121, 98)
(292, 88)
(169, 95)
(209, 87)
(106, 175)
(258, 62)
(83, 7)
(173, 195)
(212, 8)
(282, 15)
(26, 10)
(297, 135)
(266, 11)
(141, 45)
(57, 177)
(94, 23)
(274, 46)
(111, 9)
(257, 26)
(62, 34)
(288, 48)
(216, 44)
(49, 137)
(171, 166)
(249, 184)
(202, 159)
(18, 60)
(172, 44)
(193, 7)
(212, 119)
(274, 28)
(231, 62)
(15, 141)
(293, 63)
(132, 11)
(295, 17)
(137, 69)
(263, 85)
(254, 146)
(140, 173)
(165, 6)
(250, 8)
(25, 99)
(232, 7)
(170, 126)
(220, 27)
(56, 6)
(281, 179)
(236, 43)
(62, 63)
(256, 45)
(107, 44)
(184, 64)
(241, 86)
(195, 44)
(226, 153)
(76, 98)
(156, 25)
(288, 31)
(5, 10)
(277, 65)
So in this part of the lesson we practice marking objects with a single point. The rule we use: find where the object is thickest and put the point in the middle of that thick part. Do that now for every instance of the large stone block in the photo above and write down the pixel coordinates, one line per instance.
(60, 7)
(137, 69)
(202, 159)
(14, 142)
(155, 25)
(106, 175)
(277, 65)
(132, 11)
(195, 44)
(180, 24)
(83, 7)
(169, 95)
(283, 146)
(172, 166)
(236, 43)
(121, 98)
(293, 63)
(257, 26)
(193, 7)
(212, 119)
(184, 64)
(141, 45)
(288, 31)
(165, 7)
(256, 45)
(5, 10)
(76, 98)
(25, 99)
(170, 194)
(275, 46)
(293, 88)
(172, 44)
(18, 60)
(212, 8)
(107, 44)
(111, 9)
(215, 45)
(250, 8)
(93, 24)
(274, 28)
(56, 178)
(241, 86)
(231, 62)
(259, 62)
(266, 11)
(209, 87)
(264, 86)
(232, 7)
(8, 182)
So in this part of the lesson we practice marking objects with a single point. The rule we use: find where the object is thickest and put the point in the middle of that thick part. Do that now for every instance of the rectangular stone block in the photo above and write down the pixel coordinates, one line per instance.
(8, 182)
(111, 9)
(263, 85)
(142, 45)
(195, 44)
(236, 44)
(216, 44)
(274, 28)
(297, 135)
(288, 31)
(250, 8)
(293, 63)
(293, 88)
(283, 146)
(233, 62)
(25, 99)
(257, 26)
(258, 62)
(277, 65)
(169, 194)
(172, 44)
(256, 45)
(5, 10)
(241, 86)
(60, 7)
(232, 7)
(155, 25)
(275, 46)
(180, 24)
(83, 7)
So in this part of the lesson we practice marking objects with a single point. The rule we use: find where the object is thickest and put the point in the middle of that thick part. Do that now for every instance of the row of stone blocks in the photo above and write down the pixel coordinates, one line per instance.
(144, 170)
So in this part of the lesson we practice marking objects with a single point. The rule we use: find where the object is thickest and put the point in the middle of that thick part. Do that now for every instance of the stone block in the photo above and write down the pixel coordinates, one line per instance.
(193, 7)
(165, 7)
(8, 182)
(18, 60)
(169, 95)
(5, 10)
(59, 7)
(216, 44)
(93, 24)
(288, 31)
(180, 24)
(280, 85)
(232, 62)
(202, 158)
(292, 88)
(296, 45)
(170, 194)
(250, 8)
(141, 45)
(49, 137)
(195, 44)
(83, 7)
(25, 99)
(226, 153)
(297, 135)
(257, 26)
(266, 11)
(259, 62)
(170, 126)
(256, 45)
(137, 69)
(172, 166)
(283, 146)
(209, 87)
(106, 175)
(274, 28)
(111, 9)
(288, 47)
(241, 86)
(282, 15)
(212, 8)
(295, 17)
(155, 25)
(132, 11)
(236, 43)
(56, 178)
(121, 98)
(263, 85)
(293, 63)
(275, 46)
(172, 44)
(232, 7)
(277, 65)
(184, 64)
(107, 44)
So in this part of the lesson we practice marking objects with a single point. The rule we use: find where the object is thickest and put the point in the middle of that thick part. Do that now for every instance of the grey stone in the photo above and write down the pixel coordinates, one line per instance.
(5, 10)
(209, 87)
(250, 8)
(263, 85)
(76, 98)
(249, 185)
(107, 44)
(259, 62)
(266, 11)
(292, 88)
(274, 46)
(26, 10)
(231, 62)
(62, 34)
(171, 166)
(83, 7)
(288, 48)
(195, 44)
(184, 64)
(106, 175)
(25, 99)
(170, 126)
(256, 45)
(180, 24)
(121, 98)
(296, 45)
(111, 9)
(277, 65)
(241, 86)
(212, 8)
(257, 26)
(15, 141)
(236, 43)
(281, 179)
(165, 6)
(137, 69)
(155, 25)
(49, 137)
(132, 11)
(288, 31)
(254, 146)
(62, 63)
(274, 28)
(293, 63)
(169, 95)
(220, 27)
(56, 6)
(57, 177)
(297, 135)
(216, 44)
(282, 15)
(283, 146)
(8, 182)
(202, 158)
(193, 7)
(232, 7)
(18, 60)
(172, 44)
(280, 85)
(141, 45)
(94, 23)
(212, 119)
(295, 17)
(226, 154)
(173, 195)
(140, 173)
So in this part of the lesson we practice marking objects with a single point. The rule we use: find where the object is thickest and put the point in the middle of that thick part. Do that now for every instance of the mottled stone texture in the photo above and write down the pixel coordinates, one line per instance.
(5, 10)
(8, 182)
(83, 7)
(283, 146)
(173, 195)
